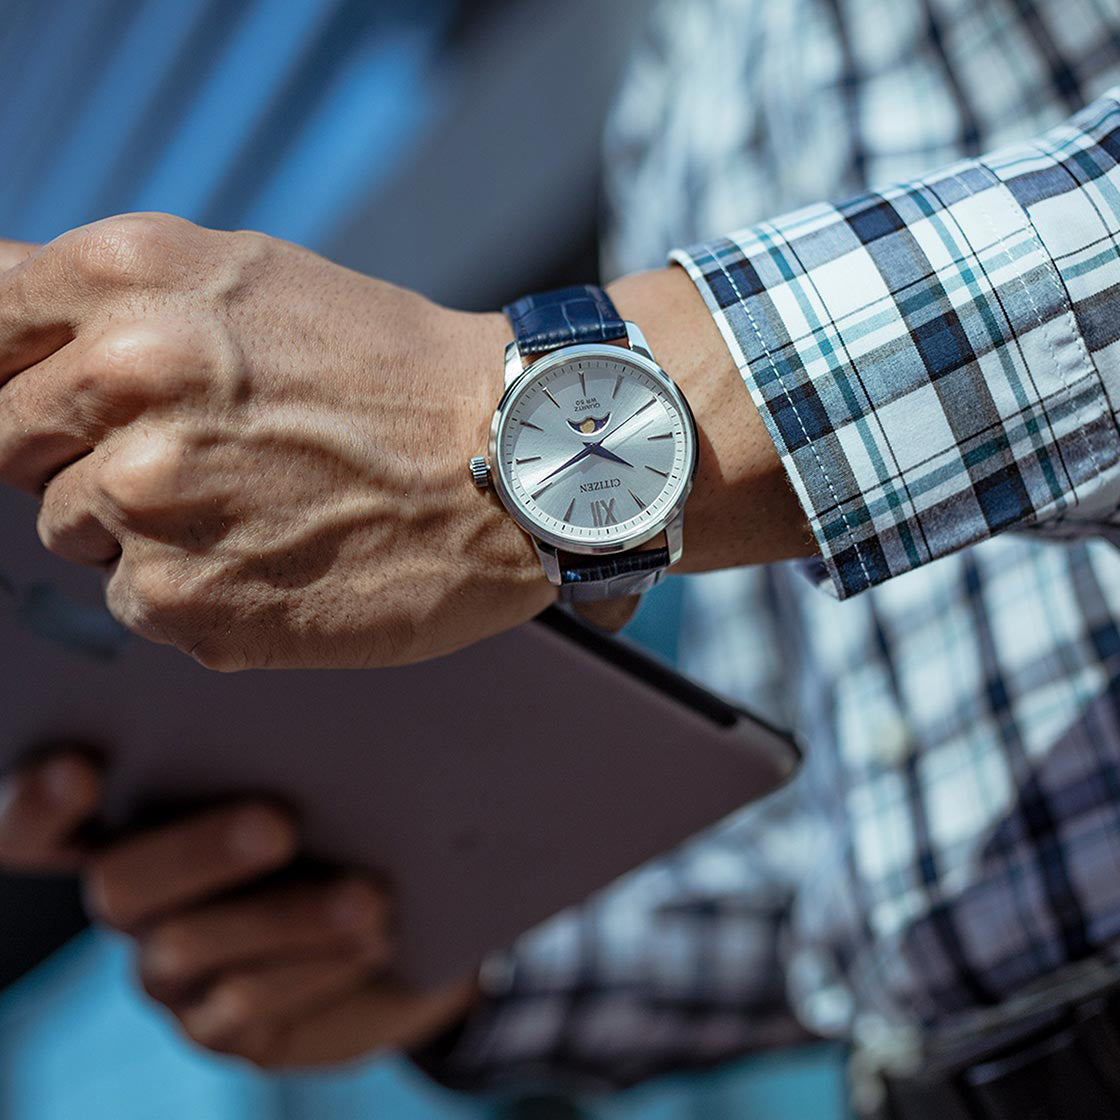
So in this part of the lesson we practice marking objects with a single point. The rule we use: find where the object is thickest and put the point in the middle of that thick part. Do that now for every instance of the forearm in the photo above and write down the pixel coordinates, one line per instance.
(742, 509)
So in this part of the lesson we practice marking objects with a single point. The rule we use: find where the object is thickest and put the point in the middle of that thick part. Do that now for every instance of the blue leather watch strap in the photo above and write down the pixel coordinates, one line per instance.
(567, 317)
(627, 573)
(564, 317)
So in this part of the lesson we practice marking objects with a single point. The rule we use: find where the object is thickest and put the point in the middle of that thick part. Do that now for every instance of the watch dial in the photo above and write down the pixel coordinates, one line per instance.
(594, 450)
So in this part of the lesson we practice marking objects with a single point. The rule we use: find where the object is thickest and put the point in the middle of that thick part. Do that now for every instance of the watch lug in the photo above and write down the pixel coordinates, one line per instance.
(549, 561)
(514, 364)
(674, 537)
(637, 340)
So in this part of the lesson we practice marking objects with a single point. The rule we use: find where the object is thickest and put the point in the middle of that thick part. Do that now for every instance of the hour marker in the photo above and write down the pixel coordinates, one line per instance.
(568, 511)
(664, 474)
(552, 398)
(526, 424)
(664, 435)
(616, 386)
(530, 459)
(603, 513)
(641, 504)
(582, 383)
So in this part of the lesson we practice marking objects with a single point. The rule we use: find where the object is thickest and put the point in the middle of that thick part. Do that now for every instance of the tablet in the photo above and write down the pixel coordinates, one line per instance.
(490, 788)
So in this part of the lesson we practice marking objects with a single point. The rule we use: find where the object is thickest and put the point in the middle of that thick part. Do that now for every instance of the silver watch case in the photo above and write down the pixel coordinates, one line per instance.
(671, 522)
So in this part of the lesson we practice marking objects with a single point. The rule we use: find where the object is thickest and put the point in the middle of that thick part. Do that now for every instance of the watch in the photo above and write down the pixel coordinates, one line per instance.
(592, 446)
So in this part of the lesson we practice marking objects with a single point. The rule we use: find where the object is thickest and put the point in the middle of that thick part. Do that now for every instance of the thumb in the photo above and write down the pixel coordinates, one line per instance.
(12, 252)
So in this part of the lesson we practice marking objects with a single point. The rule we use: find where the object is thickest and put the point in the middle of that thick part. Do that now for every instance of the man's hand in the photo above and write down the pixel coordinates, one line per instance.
(266, 451)
(284, 972)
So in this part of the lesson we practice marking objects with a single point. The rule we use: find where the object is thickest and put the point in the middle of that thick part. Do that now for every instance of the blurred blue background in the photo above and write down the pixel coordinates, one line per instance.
(385, 134)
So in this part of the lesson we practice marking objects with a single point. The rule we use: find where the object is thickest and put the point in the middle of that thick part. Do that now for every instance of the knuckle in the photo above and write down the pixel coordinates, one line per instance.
(227, 1012)
(144, 478)
(147, 363)
(156, 592)
(120, 249)
(146, 603)
(165, 603)
(155, 598)
(170, 952)
(240, 1000)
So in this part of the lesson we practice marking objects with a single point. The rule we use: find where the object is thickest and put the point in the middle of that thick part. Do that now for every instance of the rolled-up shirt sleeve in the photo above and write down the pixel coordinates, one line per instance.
(939, 361)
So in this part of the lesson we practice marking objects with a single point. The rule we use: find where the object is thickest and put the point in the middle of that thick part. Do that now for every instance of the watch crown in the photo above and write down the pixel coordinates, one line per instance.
(480, 471)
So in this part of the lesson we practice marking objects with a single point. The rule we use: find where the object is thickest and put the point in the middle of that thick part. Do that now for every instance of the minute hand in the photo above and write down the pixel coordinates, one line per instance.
(581, 454)
(633, 416)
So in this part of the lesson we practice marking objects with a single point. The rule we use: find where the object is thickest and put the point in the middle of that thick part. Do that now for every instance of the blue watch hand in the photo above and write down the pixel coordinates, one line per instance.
(581, 454)
(599, 449)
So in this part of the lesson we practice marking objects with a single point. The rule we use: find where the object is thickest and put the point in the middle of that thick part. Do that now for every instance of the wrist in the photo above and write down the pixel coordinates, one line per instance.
(500, 548)
(742, 509)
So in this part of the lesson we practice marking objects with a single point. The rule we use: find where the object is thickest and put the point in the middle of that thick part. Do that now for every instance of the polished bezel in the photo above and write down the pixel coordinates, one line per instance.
(562, 541)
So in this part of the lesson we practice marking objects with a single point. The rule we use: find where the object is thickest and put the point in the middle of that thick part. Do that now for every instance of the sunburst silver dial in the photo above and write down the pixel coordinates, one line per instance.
(593, 447)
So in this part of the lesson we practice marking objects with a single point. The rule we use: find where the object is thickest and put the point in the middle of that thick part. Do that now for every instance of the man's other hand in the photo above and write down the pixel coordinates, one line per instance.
(282, 971)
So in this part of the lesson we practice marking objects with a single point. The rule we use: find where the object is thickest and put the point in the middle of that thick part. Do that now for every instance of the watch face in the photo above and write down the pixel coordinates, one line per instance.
(593, 448)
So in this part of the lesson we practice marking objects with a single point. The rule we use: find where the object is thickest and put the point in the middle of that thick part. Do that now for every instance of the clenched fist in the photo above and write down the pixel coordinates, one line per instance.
(265, 451)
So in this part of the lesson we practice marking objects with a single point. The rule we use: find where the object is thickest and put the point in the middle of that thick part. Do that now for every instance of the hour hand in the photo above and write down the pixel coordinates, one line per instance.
(581, 454)
(600, 450)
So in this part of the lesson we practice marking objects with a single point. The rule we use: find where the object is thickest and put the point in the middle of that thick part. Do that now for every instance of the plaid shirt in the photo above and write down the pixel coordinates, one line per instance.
(938, 364)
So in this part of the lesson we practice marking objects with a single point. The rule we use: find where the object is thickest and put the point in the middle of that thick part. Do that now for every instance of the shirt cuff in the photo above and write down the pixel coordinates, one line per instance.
(915, 360)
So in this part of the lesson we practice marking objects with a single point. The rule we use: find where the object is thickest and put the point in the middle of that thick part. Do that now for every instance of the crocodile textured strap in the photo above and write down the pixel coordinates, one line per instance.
(566, 317)
(584, 580)
(563, 318)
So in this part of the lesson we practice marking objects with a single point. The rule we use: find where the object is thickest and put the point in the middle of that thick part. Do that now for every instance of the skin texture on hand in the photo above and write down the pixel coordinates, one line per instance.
(284, 973)
(266, 452)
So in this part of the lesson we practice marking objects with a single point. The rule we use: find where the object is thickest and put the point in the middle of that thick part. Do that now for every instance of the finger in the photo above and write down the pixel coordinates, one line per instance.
(42, 806)
(375, 1017)
(66, 404)
(273, 996)
(75, 521)
(35, 318)
(13, 252)
(76, 278)
(269, 924)
(379, 1017)
(168, 868)
(611, 614)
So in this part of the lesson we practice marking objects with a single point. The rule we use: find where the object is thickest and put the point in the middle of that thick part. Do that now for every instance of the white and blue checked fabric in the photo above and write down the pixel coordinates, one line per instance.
(938, 363)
